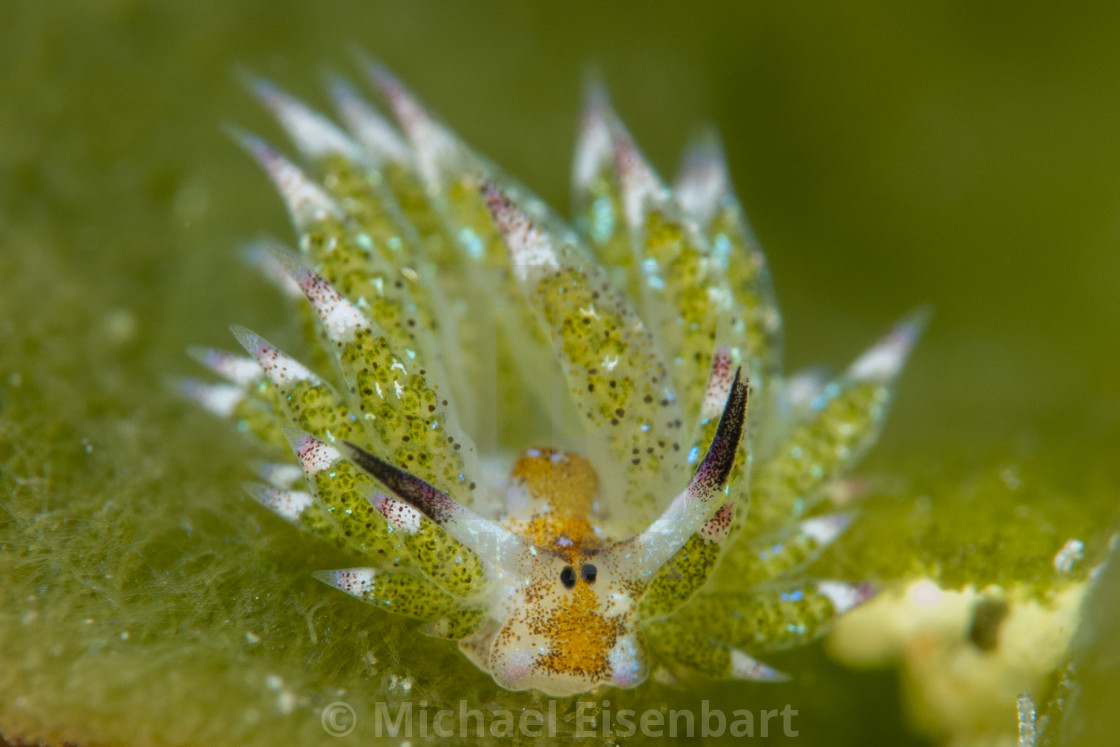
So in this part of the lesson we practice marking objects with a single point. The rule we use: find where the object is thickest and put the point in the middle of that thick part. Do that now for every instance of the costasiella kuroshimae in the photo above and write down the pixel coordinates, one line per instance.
(658, 524)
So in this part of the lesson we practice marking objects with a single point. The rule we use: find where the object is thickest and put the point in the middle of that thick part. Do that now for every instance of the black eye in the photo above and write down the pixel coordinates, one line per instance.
(588, 572)
(568, 576)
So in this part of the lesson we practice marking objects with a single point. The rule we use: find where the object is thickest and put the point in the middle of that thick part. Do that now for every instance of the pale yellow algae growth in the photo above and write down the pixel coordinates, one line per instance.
(960, 678)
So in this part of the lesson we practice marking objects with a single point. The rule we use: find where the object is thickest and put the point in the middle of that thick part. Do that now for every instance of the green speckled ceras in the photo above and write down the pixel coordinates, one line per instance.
(456, 321)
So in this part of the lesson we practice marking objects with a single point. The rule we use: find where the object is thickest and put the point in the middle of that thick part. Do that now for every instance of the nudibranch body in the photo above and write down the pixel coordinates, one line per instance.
(656, 523)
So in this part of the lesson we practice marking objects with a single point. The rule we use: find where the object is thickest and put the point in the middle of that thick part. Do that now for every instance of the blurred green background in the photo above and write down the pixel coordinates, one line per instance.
(963, 155)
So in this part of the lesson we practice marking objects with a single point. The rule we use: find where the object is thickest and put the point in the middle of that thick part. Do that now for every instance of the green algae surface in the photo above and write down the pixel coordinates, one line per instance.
(961, 157)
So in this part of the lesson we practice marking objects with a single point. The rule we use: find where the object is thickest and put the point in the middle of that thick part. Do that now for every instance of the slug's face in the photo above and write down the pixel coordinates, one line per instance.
(570, 624)
(571, 628)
